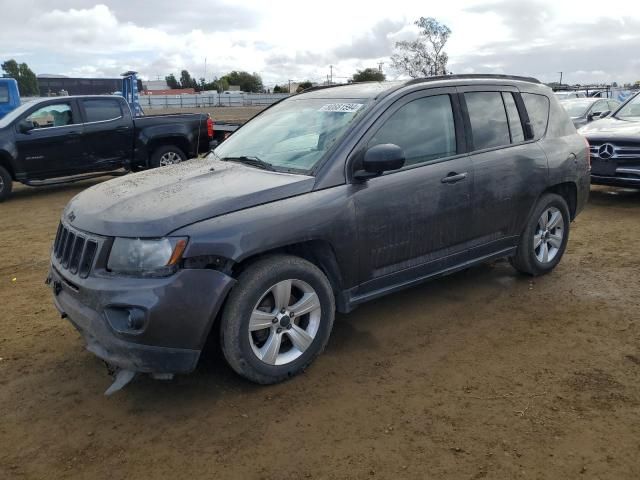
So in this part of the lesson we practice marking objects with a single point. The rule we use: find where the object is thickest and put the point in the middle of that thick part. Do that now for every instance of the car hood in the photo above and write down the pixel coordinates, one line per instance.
(157, 202)
(612, 129)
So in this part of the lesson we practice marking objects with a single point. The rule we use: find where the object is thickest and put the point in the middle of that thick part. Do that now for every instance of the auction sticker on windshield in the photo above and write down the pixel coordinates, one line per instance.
(340, 107)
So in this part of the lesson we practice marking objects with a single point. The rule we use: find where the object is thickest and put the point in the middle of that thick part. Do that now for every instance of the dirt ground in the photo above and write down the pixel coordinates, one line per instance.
(484, 374)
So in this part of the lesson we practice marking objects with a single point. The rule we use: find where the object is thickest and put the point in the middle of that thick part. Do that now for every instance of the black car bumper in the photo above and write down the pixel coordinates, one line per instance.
(616, 181)
(172, 317)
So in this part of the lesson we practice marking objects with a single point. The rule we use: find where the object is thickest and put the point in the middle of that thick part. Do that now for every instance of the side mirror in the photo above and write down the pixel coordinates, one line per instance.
(605, 114)
(379, 159)
(25, 126)
(590, 117)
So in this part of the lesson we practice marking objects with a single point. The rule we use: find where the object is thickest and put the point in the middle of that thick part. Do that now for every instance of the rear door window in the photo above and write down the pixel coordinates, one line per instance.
(538, 110)
(489, 123)
(423, 128)
(4, 94)
(101, 110)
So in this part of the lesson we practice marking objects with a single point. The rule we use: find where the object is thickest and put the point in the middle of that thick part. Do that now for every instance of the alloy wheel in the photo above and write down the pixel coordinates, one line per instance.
(549, 235)
(284, 322)
(169, 158)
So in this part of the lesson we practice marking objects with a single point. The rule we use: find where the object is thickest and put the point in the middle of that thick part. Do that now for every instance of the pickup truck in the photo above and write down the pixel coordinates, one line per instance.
(65, 139)
(9, 95)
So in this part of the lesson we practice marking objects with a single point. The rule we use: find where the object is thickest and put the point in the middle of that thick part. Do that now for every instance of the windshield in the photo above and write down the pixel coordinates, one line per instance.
(294, 134)
(577, 108)
(630, 110)
(13, 114)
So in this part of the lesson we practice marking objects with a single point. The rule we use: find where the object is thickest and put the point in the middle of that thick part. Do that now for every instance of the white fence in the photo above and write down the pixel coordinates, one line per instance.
(151, 102)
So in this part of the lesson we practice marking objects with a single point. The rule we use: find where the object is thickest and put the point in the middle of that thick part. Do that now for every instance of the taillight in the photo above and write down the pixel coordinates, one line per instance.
(210, 127)
(588, 153)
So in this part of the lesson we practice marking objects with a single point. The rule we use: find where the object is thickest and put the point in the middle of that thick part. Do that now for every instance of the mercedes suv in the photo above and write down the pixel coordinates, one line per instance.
(615, 146)
(323, 201)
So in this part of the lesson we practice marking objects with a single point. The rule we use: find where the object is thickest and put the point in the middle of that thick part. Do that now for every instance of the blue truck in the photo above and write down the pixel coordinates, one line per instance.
(9, 95)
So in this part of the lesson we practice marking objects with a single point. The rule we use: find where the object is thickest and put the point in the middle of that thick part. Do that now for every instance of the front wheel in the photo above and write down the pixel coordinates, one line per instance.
(5, 184)
(545, 237)
(277, 319)
(167, 155)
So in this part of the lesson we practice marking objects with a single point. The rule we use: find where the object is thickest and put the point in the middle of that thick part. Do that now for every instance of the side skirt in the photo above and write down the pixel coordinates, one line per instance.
(352, 300)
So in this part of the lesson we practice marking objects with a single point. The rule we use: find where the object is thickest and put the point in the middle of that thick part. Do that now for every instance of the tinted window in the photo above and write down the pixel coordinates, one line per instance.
(538, 110)
(57, 115)
(515, 125)
(4, 94)
(101, 110)
(489, 124)
(424, 128)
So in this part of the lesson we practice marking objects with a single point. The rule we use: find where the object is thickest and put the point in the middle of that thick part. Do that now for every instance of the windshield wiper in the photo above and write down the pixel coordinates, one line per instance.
(252, 161)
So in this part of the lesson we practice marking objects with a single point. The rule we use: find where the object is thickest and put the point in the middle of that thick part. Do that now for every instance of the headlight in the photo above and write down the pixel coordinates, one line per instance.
(154, 257)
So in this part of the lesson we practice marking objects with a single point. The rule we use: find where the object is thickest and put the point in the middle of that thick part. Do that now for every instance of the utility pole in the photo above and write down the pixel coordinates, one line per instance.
(560, 78)
(205, 69)
(331, 70)
(380, 66)
(289, 90)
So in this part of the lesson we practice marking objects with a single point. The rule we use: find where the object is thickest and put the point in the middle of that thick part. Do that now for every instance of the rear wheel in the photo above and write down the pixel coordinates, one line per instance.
(277, 319)
(6, 184)
(544, 240)
(167, 155)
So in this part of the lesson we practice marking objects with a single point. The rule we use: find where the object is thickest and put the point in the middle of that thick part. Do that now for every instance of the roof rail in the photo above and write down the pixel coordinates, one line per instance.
(472, 76)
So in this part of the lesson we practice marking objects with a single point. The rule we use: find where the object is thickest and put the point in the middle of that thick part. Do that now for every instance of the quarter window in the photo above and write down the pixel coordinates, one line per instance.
(489, 124)
(57, 115)
(4, 94)
(515, 125)
(100, 110)
(423, 128)
(538, 111)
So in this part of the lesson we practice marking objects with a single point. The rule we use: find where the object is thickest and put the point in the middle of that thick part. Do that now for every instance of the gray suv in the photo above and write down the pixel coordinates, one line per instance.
(323, 201)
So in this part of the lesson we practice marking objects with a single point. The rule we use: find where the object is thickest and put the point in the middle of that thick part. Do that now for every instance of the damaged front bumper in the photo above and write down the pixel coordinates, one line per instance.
(143, 325)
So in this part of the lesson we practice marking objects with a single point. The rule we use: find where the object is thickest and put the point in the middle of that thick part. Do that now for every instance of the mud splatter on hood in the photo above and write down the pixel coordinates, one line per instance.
(157, 202)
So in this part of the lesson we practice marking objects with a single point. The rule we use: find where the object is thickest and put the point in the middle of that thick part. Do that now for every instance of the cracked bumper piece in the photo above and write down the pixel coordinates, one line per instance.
(150, 325)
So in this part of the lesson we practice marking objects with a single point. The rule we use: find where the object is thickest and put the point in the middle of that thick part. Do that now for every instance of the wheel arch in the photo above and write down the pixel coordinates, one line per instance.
(177, 141)
(568, 191)
(5, 161)
(318, 252)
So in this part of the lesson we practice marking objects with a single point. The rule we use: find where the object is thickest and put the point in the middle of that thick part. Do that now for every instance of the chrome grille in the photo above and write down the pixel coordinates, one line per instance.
(74, 251)
(622, 152)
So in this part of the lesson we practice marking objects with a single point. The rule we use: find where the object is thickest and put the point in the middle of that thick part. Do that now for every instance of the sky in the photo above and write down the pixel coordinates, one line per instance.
(285, 40)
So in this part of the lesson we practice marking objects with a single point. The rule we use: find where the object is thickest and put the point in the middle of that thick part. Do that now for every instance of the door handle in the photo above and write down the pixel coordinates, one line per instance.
(454, 177)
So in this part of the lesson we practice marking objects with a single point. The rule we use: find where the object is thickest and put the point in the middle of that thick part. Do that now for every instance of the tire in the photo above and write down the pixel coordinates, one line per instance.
(551, 237)
(166, 155)
(6, 184)
(247, 351)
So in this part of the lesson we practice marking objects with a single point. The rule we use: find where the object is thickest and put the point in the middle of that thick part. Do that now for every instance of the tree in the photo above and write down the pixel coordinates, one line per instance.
(246, 81)
(424, 56)
(279, 89)
(186, 81)
(27, 80)
(369, 75)
(303, 86)
(172, 82)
